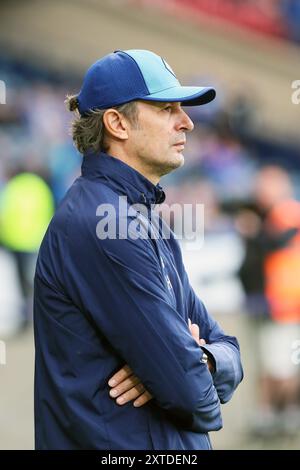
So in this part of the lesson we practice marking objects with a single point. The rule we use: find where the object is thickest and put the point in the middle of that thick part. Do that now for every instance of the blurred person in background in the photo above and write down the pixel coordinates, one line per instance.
(26, 207)
(270, 274)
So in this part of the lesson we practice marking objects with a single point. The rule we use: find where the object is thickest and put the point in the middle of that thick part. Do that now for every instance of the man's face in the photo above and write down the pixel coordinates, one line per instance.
(158, 140)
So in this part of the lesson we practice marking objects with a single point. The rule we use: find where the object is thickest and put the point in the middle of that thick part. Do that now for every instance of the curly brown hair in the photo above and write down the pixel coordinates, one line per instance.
(88, 131)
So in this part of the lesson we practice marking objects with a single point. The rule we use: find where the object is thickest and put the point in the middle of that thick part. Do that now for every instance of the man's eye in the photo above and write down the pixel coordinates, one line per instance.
(168, 108)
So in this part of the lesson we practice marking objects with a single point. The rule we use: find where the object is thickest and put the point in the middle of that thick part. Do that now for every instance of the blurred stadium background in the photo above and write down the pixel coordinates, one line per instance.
(242, 161)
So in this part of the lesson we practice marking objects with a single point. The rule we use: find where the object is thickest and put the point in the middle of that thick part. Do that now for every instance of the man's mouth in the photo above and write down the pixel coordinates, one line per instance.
(179, 145)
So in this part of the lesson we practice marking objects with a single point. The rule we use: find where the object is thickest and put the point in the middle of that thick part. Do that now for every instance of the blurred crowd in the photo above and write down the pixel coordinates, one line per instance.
(279, 18)
(250, 261)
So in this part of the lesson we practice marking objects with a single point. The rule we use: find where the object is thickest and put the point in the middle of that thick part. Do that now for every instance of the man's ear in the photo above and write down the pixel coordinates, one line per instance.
(115, 124)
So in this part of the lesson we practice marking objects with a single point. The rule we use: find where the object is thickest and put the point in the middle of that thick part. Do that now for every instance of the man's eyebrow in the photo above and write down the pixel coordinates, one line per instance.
(162, 104)
(165, 103)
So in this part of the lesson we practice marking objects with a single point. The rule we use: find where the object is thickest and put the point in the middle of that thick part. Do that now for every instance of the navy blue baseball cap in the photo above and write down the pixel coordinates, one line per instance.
(124, 76)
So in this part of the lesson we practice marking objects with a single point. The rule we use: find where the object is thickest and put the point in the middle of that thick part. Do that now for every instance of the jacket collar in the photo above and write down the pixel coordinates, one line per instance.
(122, 178)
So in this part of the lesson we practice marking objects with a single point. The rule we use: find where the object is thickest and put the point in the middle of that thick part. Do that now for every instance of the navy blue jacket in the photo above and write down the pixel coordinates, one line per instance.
(102, 302)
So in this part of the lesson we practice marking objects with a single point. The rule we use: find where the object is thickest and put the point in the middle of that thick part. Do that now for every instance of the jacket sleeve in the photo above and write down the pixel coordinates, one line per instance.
(119, 284)
(223, 348)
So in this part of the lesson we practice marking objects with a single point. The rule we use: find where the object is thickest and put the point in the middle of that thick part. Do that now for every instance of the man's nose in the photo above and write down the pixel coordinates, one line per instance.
(185, 122)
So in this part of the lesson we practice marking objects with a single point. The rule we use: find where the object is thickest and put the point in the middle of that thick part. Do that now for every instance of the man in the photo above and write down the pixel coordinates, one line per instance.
(115, 316)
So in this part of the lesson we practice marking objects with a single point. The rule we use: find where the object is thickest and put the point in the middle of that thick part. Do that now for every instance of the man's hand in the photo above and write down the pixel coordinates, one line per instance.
(194, 329)
(126, 387)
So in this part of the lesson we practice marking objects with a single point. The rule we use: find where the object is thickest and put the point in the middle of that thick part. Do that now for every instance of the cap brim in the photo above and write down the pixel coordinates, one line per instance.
(188, 95)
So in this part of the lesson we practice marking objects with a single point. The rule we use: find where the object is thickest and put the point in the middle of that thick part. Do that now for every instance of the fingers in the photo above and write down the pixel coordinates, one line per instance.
(131, 394)
(127, 387)
(144, 398)
(195, 331)
(120, 376)
(124, 386)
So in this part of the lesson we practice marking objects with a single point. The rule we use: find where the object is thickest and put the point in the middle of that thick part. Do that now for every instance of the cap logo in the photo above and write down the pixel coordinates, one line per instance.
(168, 67)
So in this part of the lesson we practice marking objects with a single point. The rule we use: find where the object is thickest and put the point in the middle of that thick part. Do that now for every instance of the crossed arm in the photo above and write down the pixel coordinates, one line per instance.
(126, 387)
(126, 277)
